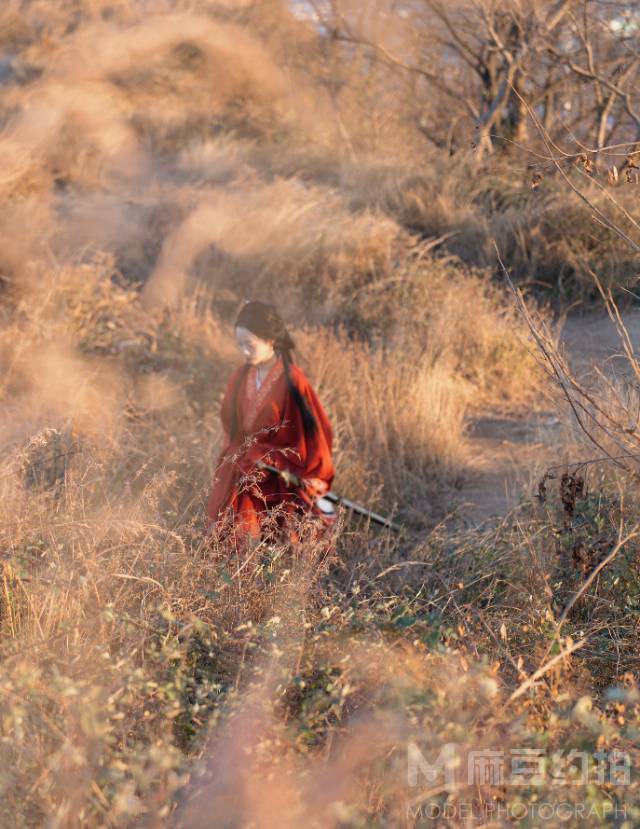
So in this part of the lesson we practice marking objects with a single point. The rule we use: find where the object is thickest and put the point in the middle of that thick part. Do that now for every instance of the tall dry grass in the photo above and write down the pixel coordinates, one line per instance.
(153, 675)
(138, 650)
(544, 233)
(152, 177)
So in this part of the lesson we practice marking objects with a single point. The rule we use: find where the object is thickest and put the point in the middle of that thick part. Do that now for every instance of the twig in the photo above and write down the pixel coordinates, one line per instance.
(592, 575)
(560, 372)
(521, 689)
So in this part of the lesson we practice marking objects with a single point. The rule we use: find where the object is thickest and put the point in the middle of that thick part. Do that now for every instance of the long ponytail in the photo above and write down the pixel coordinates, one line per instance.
(308, 420)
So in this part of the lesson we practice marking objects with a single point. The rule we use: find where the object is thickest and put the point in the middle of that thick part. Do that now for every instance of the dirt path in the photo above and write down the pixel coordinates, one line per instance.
(507, 454)
(504, 453)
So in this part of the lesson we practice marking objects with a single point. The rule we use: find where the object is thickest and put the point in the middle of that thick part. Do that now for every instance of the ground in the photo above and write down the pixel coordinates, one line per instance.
(509, 451)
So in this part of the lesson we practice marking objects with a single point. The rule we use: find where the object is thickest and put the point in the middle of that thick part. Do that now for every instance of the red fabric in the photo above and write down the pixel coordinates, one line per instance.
(270, 428)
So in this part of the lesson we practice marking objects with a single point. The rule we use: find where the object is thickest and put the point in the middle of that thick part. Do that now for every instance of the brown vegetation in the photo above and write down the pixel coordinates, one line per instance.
(159, 165)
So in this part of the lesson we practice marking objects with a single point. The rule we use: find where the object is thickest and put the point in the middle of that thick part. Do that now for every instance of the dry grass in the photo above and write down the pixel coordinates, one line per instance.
(545, 234)
(143, 659)
(129, 635)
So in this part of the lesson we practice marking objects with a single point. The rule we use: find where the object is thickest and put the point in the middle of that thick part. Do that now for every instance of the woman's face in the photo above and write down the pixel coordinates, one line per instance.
(254, 349)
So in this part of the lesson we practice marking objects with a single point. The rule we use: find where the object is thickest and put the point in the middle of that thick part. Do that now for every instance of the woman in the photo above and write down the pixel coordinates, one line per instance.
(270, 414)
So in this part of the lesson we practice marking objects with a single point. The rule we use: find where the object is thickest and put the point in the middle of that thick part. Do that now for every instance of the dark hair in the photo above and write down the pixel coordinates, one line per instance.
(265, 322)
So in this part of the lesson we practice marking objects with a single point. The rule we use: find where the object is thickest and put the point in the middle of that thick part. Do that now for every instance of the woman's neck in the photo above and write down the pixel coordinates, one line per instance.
(266, 365)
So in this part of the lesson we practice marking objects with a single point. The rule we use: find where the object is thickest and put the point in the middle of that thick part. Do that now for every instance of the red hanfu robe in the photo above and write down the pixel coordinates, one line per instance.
(269, 429)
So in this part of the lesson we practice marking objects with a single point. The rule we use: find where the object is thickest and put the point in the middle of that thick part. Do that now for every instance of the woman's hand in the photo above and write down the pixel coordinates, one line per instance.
(289, 478)
(316, 487)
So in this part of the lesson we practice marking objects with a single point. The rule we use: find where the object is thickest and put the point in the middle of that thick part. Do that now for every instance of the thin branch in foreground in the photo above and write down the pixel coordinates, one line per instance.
(543, 669)
(589, 580)
(566, 382)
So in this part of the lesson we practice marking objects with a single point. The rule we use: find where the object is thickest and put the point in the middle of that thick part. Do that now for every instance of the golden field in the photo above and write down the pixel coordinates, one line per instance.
(161, 162)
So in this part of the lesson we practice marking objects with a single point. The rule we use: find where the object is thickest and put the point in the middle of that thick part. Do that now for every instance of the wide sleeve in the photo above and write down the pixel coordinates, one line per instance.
(308, 456)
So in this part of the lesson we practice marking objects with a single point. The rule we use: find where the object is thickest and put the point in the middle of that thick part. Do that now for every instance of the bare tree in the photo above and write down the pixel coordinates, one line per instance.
(471, 63)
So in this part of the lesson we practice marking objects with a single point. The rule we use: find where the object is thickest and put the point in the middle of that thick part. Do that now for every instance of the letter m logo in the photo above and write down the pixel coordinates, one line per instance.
(442, 768)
